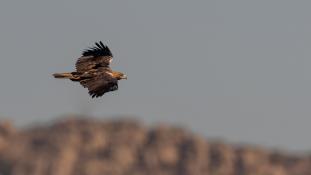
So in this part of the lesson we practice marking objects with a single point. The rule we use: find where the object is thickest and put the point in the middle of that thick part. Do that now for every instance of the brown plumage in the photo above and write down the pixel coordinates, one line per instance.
(93, 71)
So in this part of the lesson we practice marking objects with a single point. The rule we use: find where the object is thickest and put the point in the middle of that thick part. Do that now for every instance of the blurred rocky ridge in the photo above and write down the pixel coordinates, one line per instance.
(122, 147)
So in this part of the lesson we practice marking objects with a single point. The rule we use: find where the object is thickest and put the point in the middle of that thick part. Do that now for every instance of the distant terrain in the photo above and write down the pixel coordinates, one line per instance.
(76, 146)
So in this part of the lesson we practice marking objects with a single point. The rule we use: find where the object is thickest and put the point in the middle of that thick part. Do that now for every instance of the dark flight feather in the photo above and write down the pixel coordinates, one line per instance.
(95, 57)
(100, 84)
(100, 50)
(111, 86)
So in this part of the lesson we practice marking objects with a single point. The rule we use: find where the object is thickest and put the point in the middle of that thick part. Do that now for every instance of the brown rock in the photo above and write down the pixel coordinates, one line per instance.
(92, 147)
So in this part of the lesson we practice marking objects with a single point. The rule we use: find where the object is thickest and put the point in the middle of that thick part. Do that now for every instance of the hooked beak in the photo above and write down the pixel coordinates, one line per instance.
(124, 77)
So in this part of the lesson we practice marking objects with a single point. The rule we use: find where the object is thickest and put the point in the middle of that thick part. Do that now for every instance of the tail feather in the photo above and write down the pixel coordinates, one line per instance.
(66, 75)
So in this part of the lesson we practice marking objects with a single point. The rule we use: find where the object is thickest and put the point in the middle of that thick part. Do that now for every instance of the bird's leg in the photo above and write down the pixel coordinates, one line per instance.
(86, 75)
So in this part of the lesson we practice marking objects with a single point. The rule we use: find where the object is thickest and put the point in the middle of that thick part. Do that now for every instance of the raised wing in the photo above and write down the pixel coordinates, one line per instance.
(100, 84)
(98, 56)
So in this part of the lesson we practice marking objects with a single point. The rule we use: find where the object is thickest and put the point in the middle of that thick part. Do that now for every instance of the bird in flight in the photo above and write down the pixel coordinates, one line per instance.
(93, 71)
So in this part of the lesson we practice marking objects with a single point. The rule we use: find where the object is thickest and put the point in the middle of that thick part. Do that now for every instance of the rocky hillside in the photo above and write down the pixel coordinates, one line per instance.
(92, 147)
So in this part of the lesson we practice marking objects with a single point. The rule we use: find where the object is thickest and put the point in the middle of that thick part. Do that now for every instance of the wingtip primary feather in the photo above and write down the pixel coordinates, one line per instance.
(99, 50)
(101, 43)
(98, 45)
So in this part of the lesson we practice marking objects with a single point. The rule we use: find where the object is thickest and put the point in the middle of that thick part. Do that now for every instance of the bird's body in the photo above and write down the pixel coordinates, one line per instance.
(93, 71)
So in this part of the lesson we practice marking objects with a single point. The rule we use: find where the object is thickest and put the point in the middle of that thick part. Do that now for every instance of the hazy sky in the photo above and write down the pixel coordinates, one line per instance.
(237, 70)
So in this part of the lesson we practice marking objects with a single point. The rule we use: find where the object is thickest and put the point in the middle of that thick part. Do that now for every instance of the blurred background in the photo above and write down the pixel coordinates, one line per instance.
(235, 70)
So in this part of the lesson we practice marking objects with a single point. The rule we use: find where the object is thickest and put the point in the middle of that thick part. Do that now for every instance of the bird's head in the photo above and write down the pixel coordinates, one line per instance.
(119, 75)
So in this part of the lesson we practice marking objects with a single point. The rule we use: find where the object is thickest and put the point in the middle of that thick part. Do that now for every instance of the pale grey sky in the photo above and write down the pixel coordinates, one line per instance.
(237, 70)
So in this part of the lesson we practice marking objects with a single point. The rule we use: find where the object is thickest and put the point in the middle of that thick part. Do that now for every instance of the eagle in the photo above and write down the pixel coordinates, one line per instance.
(93, 71)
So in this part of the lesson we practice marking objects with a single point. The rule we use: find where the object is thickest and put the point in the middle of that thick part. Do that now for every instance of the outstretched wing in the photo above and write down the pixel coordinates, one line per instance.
(98, 56)
(100, 84)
